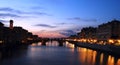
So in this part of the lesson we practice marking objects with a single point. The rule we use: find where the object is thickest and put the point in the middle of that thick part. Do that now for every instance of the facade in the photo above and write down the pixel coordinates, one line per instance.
(14, 34)
(104, 33)
(88, 33)
(110, 30)
(1, 31)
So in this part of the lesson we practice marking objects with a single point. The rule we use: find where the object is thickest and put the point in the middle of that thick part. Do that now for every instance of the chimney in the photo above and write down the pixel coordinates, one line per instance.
(11, 24)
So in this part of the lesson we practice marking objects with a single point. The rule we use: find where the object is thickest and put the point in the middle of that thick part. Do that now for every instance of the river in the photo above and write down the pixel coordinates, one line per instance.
(53, 54)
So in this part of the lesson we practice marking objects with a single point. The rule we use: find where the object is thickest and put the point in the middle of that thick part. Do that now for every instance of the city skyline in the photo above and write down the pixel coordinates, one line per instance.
(58, 18)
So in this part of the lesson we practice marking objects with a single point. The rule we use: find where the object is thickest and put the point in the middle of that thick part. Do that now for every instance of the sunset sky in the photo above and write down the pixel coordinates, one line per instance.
(58, 18)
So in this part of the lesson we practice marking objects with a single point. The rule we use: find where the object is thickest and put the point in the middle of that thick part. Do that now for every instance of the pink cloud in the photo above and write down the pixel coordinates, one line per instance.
(47, 34)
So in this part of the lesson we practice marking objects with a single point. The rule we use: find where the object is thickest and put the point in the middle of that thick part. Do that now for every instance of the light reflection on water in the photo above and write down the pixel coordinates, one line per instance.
(53, 54)
(92, 57)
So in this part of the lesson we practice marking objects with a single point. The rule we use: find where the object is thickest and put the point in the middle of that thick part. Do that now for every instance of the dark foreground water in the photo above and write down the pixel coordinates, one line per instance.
(53, 54)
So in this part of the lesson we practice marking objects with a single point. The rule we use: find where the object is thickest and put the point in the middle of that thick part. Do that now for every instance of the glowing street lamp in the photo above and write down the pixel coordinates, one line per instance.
(1, 41)
(118, 41)
(111, 41)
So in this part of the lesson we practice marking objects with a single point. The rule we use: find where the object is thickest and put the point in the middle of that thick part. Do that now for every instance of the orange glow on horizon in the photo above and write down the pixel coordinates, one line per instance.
(50, 35)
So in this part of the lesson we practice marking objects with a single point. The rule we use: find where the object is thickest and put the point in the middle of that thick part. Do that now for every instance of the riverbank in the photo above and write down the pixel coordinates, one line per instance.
(114, 50)
(14, 45)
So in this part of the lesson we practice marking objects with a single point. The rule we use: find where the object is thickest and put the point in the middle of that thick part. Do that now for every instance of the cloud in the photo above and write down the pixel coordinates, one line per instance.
(5, 15)
(55, 33)
(49, 34)
(81, 19)
(37, 13)
(8, 15)
(45, 25)
(61, 23)
(67, 32)
(3, 21)
(75, 18)
(8, 9)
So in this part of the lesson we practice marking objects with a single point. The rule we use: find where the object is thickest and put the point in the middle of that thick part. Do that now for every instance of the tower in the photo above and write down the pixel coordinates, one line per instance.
(11, 24)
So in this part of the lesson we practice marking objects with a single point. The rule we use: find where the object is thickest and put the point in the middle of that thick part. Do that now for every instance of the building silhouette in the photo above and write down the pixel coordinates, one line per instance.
(11, 24)
(88, 33)
(14, 35)
(104, 33)
(110, 30)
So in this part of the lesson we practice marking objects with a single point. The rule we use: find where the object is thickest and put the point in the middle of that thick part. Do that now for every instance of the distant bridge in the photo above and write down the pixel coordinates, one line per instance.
(59, 40)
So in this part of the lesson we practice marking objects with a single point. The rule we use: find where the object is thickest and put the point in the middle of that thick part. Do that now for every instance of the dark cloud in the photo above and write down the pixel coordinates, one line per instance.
(67, 32)
(3, 21)
(75, 18)
(45, 25)
(61, 23)
(4, 15)
(37, 13)
(8, 15)
(8, 9)
(81, 19)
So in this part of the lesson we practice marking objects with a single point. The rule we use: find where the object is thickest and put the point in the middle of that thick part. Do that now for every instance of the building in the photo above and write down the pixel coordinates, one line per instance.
(11, 24)
(10, 35)
(107, 31)
(1, 24)
(1, 32)
(88, 33)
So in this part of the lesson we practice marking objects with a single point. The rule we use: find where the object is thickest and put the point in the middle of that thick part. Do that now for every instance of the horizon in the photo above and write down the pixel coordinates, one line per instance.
(58, 18)
(63, 36)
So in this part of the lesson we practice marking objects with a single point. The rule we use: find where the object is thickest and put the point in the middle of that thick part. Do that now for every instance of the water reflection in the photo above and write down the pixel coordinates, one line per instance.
(69, 45)
(13, 53)
(91, 57)
(53, 54)
(88, 56)
(49, 43)
(52, 43)
(36, 44)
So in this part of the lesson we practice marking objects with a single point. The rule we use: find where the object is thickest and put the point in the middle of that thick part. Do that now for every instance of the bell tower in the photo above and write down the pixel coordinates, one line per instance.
(11, 24)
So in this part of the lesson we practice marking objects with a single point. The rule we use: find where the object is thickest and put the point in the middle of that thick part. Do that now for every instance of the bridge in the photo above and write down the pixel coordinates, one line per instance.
(59, 40)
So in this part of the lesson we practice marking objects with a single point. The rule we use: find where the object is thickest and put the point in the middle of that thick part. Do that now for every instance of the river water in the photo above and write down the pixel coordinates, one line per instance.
(53, 54)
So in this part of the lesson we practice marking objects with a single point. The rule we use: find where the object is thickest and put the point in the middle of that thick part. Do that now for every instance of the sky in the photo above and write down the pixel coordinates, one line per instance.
(58, 18)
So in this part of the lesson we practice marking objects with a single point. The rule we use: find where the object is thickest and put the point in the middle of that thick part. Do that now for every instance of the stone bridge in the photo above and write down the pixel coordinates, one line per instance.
(60, 41)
